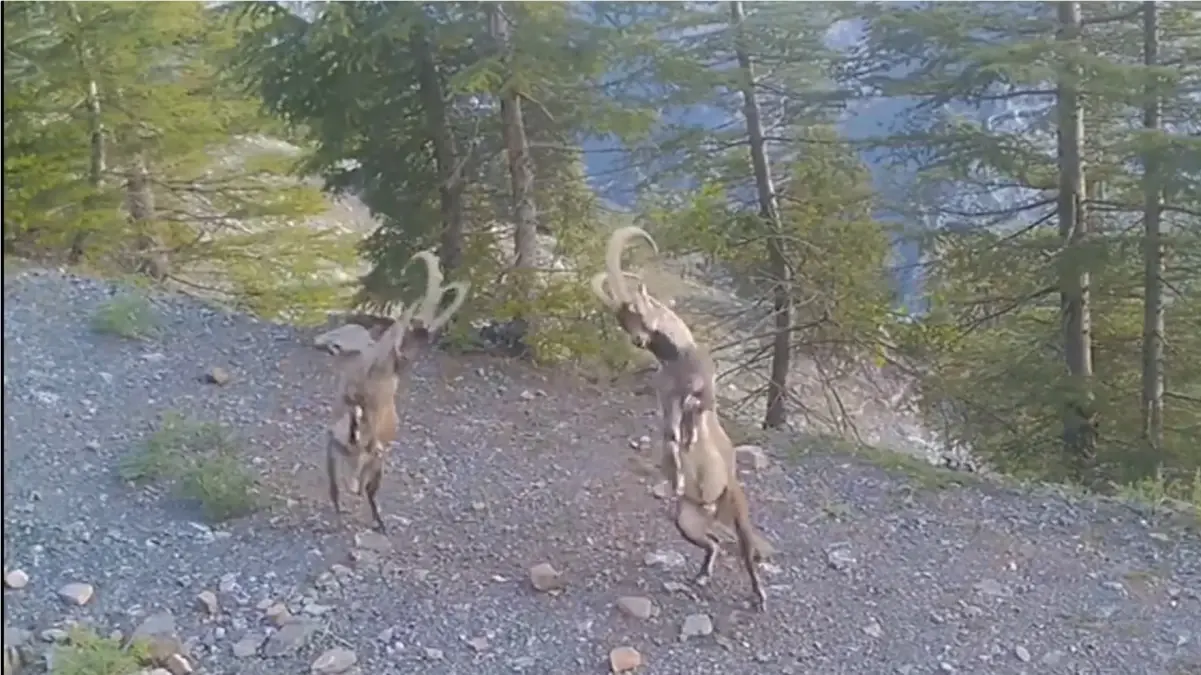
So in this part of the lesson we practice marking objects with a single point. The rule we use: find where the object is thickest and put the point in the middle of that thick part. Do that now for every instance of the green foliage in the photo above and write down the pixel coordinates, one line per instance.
(173, 445)
(990, 351)
(86, 653)
(166, 102)
(840, 253)
(130, 315)
(987, 355)
(203, 458)
(351, 81)
(1160, 493)
(222, 485)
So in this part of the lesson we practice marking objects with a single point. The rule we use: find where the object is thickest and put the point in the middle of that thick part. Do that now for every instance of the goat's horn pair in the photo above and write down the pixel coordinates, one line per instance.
(434, 292)
(600, 287)
(433, 286)
(618, 292)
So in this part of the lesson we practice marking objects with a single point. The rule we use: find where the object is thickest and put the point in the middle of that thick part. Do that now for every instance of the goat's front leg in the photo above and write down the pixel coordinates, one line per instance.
(671, 444)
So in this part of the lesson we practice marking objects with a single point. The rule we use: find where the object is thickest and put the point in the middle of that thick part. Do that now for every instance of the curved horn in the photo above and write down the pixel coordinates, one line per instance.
(460, 289)
(433, 285)
(613, 271)
(599, 290)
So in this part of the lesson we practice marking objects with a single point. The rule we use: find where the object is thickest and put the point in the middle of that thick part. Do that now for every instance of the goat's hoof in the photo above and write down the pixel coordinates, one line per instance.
(379, 527)
(759, 604)
(701, 580)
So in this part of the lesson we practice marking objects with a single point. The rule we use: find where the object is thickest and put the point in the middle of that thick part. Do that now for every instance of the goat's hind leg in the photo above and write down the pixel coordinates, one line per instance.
(746, 548)
(331, 471)
(370, 477)
(694, 524)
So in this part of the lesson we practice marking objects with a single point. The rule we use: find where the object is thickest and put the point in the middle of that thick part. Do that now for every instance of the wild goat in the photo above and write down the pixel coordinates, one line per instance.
(714, 494)
(652, 326)
(365, 420)
(698, 457)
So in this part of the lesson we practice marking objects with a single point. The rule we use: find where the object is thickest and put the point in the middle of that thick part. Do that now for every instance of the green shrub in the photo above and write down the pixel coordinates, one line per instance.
(129, 315)
(202, 458)
(222, 485)
(86, 653)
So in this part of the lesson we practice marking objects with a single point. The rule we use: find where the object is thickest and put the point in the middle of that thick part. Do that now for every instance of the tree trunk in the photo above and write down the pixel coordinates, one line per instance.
(1079, 427)
(1153, 312)
(98, 164)
(150, 252)
(777, 388)
(99, 158)
(450, 179)
(517, 150)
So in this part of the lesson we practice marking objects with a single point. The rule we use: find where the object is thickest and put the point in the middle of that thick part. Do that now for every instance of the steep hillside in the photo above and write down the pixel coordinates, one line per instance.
(502, 468)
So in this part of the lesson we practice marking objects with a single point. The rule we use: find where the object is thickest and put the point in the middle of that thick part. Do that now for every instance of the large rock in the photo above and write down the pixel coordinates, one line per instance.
(76, 593)
(349, 339)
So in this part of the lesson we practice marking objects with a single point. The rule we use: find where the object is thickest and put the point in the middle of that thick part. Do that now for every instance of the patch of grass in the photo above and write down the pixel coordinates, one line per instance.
(1163, 496)
(86, 653)
(130, 316)
(166, 454)
(222, 485)
(203, 458)
(919, 472)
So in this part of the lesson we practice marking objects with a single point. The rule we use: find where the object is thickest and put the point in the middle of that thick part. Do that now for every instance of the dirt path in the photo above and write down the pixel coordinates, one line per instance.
(505, 467)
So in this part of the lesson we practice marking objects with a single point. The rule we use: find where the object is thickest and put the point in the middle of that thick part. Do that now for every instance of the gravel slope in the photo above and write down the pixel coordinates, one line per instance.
(507, 467)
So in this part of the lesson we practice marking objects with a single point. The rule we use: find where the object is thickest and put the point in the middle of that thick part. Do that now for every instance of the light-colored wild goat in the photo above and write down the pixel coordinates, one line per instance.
(365, 420)
(701, 467)
(713, 493)
(652, 326)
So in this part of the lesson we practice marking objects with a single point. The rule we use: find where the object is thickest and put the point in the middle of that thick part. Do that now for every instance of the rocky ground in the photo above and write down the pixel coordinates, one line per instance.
(505, 468)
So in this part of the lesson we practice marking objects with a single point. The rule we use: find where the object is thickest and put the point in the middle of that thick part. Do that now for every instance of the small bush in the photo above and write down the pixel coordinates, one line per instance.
(165, 454)
(86, 653)
(1160, 494)
(222, 486)
(203, 458)
(130, 316)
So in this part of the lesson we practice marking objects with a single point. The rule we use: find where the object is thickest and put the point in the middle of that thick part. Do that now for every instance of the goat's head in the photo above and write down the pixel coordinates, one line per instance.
(415, 326)
(369, 379)
(640, 314)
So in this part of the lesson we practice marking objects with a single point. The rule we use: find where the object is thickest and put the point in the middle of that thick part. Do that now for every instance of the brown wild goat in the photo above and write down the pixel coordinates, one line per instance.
(705, 481)
(365, 421)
